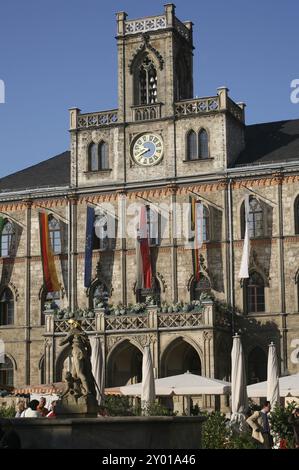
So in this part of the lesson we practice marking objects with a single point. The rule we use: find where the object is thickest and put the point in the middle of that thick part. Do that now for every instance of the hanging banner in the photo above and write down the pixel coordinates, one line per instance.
(143, 256)
(49, 268)
(197, 228)
(90, 217)
(244, 269)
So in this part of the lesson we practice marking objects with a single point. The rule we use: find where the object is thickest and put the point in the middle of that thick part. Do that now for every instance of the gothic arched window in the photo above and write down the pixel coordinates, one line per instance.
(7, 239)
(6, 372)
(6, 308)
(255, 293)
(155, 292)
(93, 157)
(50, 301)
(203, 144)
(255, 219)
(103, 156)
(104, 231)
(98, 295)
(147, 82)
(55, 234)
(199, 287)
(296, 213)
(205, 224)
(191, 146)
(257, 366)
(153, 226)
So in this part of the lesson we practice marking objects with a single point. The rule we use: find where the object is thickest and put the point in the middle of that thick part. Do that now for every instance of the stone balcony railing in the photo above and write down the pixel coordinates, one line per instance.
(212, 104)
(186, 108)
(146, 112)
(85, 121)
(151, 320)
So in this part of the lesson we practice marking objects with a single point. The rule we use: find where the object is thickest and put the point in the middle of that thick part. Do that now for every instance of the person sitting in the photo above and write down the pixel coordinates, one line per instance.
(31, 411)
(42, 408)
(52, 413)
(20, 407)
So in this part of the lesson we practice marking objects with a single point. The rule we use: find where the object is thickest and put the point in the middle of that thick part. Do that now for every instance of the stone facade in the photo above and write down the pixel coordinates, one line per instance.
(179, 341)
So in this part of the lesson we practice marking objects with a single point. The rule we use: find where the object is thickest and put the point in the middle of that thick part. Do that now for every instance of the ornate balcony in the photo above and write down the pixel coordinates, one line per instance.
(150, 320)
(146, 112)
(213, 104)
(197, 106)
(103, 118)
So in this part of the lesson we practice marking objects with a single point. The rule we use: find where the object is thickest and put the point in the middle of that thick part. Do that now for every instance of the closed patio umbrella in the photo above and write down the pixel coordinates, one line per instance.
(273, 395)
(97, 365)
(148, 393)
(239, 400)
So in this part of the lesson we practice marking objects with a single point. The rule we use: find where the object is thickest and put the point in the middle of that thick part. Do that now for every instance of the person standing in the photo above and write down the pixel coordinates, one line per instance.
(31, 411)
(259, 423)
(41, 407)
(294, 421)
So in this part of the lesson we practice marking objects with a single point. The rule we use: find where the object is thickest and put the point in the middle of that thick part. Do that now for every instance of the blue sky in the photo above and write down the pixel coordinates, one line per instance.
(62, 53)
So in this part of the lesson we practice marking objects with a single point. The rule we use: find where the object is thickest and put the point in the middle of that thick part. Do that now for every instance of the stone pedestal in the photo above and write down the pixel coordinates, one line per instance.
(82, 407)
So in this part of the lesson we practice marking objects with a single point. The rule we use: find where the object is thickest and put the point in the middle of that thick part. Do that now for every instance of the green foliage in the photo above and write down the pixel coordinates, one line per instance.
(7, 412)
(218, 434)
(242, 441)
(115, 405)
(154, 409)
(279, 422)
(215, 432)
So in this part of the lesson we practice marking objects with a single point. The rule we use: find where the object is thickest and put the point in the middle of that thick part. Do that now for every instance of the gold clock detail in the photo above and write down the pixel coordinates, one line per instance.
(147, 149)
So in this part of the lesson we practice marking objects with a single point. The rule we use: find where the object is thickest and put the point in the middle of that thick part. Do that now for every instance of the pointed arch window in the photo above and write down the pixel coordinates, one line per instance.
(191, 146)
(50, 301)
(153, 226)
(103, 156)
(6, 308)
(203, 144)
(255, 293)
(98, 295)
(154, 292)
(55, 234)
(6, 372)
(199, 287)
(257, 366)
(147, 82)
(104, 231)
(93, 159)
(7, 239)
(255, 219)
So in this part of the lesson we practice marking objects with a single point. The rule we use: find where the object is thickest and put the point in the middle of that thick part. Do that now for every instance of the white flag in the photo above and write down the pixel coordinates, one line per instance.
(244, 269)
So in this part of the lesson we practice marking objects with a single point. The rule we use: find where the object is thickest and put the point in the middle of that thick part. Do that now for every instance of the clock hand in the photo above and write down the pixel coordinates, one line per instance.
(141, 153)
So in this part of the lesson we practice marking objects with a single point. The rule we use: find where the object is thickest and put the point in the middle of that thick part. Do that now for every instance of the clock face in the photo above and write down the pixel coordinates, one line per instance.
(147, 149)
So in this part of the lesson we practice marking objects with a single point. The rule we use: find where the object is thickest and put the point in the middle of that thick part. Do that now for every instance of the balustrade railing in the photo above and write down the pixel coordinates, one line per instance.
(197, 106)
(146, 112)
(103, 118)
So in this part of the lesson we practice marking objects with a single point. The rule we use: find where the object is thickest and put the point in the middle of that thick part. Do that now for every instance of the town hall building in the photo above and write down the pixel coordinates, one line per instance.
(164, 149)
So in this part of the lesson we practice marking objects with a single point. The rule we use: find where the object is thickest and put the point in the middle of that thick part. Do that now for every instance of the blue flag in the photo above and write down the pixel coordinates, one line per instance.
(88, 245)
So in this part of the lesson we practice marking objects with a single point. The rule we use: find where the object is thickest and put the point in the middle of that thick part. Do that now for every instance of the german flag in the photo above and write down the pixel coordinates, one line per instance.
(49, 269)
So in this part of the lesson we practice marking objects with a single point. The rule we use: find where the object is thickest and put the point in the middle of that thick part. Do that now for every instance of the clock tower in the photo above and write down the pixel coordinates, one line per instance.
(155, 62)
